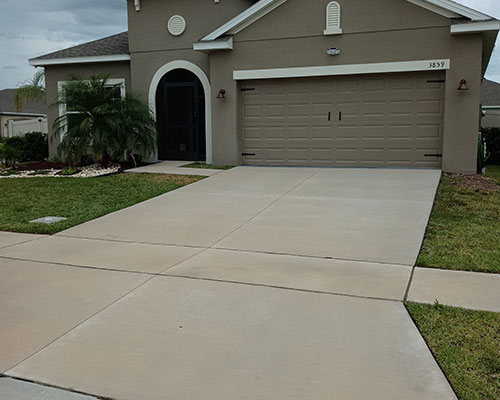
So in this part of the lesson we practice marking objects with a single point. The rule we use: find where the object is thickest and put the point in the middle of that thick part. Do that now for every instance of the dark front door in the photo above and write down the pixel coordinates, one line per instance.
(181, 117)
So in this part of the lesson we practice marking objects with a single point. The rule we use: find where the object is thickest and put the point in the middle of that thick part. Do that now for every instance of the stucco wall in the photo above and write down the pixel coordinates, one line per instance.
(292, 36)
(382, 31)
(57, 73)
(148, 27)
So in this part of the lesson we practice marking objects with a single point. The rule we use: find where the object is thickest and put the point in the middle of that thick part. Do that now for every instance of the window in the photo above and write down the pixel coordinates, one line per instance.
(333, 19)
(117, 86)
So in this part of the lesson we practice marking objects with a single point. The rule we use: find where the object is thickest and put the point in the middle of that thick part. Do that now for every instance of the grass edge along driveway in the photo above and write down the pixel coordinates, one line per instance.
(464, 227)
(466, 345)
(78, 199)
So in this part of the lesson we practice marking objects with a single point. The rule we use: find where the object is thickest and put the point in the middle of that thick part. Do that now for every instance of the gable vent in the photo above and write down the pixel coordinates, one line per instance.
(176, 25)
(333, 19)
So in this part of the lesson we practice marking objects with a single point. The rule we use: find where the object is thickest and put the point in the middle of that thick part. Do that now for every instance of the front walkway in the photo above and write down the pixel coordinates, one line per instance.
(174, 168)
(265, 283)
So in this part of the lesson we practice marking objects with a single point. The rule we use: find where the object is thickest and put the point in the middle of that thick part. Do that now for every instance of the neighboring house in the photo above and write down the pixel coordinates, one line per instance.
(299, 82)
(33, 116)
(490, 102)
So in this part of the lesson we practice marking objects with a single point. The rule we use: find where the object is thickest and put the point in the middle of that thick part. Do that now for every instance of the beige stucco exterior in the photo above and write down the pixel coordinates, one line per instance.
(292, 36)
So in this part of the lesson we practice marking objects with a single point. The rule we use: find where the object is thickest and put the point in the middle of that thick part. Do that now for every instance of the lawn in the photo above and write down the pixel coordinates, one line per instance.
(466, 344)
(464, 228)
(207, 166)
(78, 199)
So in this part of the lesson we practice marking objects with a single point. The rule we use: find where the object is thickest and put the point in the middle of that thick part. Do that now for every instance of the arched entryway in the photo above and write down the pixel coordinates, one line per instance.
(180, 115)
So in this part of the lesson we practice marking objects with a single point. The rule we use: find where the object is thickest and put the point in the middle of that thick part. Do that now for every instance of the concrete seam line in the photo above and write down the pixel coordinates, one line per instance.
(280, 287)
(309, 256)
(131, 242)
(82, 322)
(25, 241)
(49, 385)
(266, 208)
(80, 266)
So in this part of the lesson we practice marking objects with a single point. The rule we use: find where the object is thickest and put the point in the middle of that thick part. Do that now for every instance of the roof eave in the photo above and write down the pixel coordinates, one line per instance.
(42, 62)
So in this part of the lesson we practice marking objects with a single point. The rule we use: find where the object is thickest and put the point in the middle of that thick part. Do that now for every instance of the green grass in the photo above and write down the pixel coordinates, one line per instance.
(80, 200)
(466, 345)
(206, 166)
(464, 228)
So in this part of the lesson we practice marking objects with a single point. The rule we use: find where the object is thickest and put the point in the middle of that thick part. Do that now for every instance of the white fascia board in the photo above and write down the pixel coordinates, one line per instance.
(471, 27)
(451, 9)
(491, 107)
(40, 62)
(226, 44)
(22, 114)
(247, 17)
(353, 69)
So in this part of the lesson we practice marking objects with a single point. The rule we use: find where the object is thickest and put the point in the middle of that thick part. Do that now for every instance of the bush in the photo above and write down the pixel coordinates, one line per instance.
(492, 139)
(9, 155)
(36, 146)
(31, 147)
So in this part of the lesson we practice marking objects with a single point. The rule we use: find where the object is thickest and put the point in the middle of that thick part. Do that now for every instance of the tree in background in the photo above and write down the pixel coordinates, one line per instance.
(32, 90)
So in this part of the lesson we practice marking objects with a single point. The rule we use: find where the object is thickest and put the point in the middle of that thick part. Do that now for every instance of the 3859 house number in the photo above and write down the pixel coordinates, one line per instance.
(437, 64)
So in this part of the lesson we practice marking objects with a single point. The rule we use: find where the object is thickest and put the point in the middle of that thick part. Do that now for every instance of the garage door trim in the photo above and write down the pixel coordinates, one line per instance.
(352, 69)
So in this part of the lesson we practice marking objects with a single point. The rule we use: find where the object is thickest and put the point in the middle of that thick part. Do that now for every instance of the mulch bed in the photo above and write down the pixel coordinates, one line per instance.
(474, 183)
(40, 165)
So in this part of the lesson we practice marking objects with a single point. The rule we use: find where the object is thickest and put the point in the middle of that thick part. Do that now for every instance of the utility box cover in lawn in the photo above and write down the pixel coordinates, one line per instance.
(47, 220)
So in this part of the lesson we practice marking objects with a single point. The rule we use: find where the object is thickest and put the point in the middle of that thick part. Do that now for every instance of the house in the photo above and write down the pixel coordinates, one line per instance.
(490, 104)
(32, 118)
(385, 83)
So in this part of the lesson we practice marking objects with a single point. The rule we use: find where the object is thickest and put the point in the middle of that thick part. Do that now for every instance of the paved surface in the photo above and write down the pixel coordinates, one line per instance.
(272, 282)
(11, 389)
(471, 290)
(9, 238)
(174, 168)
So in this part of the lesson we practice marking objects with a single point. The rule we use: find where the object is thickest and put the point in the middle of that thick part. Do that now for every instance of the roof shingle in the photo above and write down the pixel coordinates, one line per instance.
(108, 46)
(7, 105)
(490, 93)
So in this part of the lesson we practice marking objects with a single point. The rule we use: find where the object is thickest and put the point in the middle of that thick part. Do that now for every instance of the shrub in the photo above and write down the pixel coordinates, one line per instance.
(36, 146)
(31, 147)
(492, 139)
(9, 156)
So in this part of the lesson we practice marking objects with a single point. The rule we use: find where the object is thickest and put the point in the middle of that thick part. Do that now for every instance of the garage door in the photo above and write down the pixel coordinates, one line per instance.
(369, 120)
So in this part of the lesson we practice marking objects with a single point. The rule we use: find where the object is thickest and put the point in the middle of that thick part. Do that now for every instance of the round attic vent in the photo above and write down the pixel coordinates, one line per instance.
(176, 25)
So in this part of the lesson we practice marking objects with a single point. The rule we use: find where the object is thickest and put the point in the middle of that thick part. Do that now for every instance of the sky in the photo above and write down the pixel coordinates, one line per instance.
(29, 28)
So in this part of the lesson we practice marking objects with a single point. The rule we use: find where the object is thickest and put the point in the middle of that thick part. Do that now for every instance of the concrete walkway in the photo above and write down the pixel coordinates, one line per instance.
(274, 283)
(174, 168)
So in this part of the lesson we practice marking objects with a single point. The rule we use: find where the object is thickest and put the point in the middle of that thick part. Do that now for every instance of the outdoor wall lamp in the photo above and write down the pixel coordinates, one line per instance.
(463, 85)
(222, 94)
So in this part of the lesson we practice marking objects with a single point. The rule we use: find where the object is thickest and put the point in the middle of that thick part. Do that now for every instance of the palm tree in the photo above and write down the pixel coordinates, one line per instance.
(32, 90)
(100, 122)
(138, 133)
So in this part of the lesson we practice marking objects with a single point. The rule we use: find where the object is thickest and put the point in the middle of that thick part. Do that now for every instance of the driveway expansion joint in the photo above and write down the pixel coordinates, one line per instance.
(48, 385)
(25, 241)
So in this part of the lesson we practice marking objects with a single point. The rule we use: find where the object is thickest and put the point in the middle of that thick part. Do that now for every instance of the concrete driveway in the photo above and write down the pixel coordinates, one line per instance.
(258, 283)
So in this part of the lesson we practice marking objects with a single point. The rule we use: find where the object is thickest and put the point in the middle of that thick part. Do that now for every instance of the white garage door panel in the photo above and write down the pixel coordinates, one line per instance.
(386, 120)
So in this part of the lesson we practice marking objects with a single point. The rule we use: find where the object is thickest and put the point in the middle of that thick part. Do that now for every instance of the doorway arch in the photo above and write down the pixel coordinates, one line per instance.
(186, 65)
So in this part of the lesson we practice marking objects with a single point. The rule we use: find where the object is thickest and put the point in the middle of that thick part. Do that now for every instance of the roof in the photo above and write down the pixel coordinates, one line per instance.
(490, 93)
(111, 48)
(7, 105)
(446, 8)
